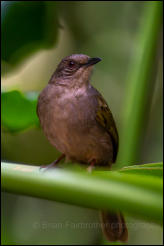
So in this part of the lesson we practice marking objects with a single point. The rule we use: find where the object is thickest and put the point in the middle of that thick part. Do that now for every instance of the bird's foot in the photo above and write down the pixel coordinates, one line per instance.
(53, 164)
(91, 166)
(89, 169)
(46, 167)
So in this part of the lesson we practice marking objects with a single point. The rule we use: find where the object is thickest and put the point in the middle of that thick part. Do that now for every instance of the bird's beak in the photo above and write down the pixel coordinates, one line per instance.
(92, 61)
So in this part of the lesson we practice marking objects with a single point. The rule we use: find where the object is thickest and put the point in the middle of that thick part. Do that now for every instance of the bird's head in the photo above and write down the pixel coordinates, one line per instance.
(74, 69)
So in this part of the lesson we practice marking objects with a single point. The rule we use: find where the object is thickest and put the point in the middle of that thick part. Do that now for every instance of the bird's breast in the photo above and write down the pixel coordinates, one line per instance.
(65, 117)
(68, 121)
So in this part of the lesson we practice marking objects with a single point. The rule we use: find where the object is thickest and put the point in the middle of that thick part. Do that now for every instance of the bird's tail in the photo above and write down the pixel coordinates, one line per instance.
(114, 226)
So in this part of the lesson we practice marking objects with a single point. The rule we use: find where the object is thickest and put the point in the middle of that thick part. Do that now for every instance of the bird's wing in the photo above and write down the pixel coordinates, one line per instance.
(105, 118)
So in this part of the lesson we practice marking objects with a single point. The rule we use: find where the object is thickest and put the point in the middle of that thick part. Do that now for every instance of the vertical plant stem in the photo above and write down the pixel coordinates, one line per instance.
(139, 84)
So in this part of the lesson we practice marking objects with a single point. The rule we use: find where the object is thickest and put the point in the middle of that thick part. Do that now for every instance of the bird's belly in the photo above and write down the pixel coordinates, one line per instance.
(76, 134)
(80, 144)
(89, 147)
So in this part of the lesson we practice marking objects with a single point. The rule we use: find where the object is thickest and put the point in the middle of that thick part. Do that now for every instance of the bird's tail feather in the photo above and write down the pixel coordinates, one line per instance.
(114, 226)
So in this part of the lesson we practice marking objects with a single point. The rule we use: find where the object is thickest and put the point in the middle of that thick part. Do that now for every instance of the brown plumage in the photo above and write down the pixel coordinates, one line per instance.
(114, 226)
(78, 122)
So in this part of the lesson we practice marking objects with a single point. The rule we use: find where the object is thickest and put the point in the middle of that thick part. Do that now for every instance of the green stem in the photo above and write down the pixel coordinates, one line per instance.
(139, 84)
(137, 195)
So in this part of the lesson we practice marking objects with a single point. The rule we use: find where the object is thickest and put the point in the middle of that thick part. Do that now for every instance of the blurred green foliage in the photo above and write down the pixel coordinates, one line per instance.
(105, 29)
(18, 110)
(140, 83)
(26, 28)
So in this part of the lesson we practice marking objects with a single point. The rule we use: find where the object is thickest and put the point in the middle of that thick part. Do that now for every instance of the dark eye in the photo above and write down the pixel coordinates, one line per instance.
(72, 64)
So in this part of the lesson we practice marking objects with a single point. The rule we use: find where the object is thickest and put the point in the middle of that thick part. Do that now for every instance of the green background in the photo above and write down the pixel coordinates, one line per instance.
(35, 37)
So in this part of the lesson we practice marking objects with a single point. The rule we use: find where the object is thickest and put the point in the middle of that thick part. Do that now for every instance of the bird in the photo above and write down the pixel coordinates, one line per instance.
(77, 121)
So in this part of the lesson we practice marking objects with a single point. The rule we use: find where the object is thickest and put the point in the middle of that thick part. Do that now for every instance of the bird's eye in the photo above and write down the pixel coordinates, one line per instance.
(72, 64)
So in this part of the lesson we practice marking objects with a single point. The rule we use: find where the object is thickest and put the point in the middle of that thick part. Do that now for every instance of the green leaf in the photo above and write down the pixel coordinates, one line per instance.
(27, 27)
(154, 169)
(137, 195)
(18, 110)
(139, 84)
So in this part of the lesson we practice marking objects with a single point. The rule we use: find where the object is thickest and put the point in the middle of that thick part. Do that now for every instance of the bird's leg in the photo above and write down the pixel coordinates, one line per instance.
(91, 166)
(53, 163)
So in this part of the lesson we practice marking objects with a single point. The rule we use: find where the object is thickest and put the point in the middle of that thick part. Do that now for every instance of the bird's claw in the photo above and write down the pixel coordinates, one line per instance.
(90, 168)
